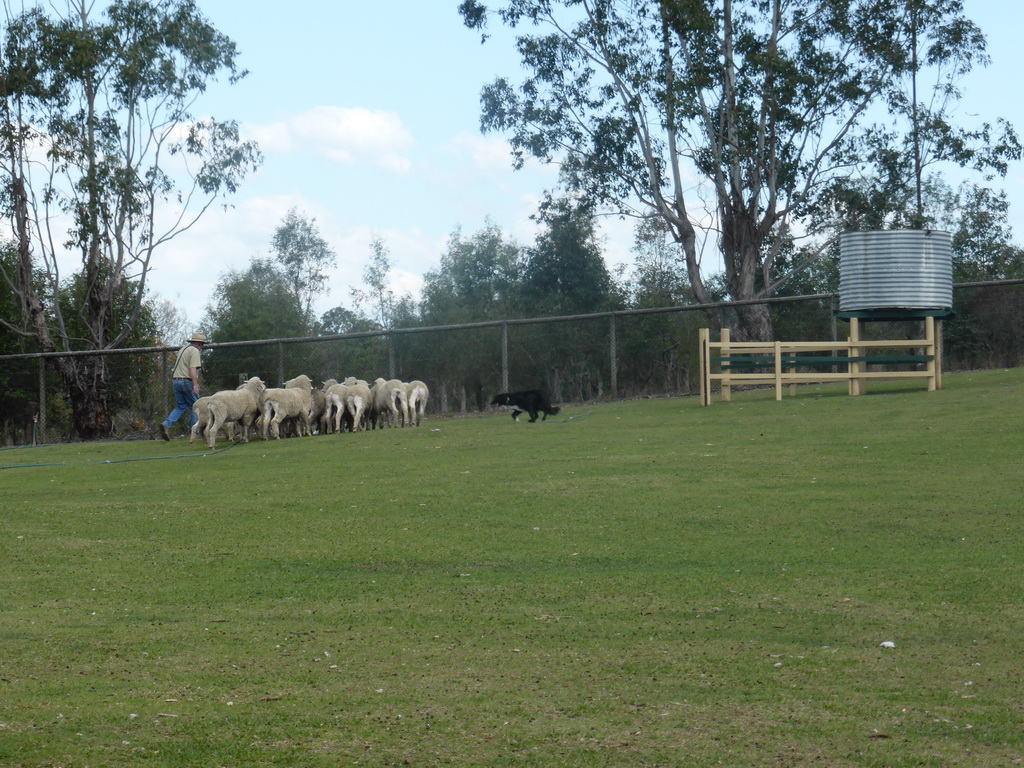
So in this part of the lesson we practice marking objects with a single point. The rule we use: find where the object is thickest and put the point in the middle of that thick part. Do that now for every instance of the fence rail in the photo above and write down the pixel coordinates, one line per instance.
(615, 354)
(795, 362)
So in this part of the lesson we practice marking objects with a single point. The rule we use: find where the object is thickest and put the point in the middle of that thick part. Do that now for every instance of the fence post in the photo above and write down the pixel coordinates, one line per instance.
(504, 357)
(391, 356)
(41, 412)
(613, 357)
(832, 314)
(165, 381)
(857, 385)
(778, 370)
(703, 354)
(932, 348)
(280, 364)
(726, 337)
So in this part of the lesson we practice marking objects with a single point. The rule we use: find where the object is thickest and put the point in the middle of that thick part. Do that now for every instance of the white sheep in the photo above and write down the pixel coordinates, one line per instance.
(316, 408)
(416, 394)
(293, 401)
(241, 405)
(202, 411)
(352, 397)
(389, 401)
(321, 416)
(358, 400)
(335, 406)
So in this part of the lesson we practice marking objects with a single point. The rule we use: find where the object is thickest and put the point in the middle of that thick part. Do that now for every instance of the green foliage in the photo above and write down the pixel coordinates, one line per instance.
(256, 303)
(988, 330)
(362, 357)
(654, 350)
(101, 104)
(136, 373)
(343, 320)
(648, 583)
(17, 377)
(73, 306)
(10, 307)
(479, 278)
(809, 270)
(565, 273)
(768, 105)
(658, 280)
(983, 247)
(109, 95)
(304, 255)
(376, 277)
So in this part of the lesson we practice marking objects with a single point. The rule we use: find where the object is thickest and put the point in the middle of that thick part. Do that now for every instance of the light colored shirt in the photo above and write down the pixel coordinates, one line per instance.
(188, 358)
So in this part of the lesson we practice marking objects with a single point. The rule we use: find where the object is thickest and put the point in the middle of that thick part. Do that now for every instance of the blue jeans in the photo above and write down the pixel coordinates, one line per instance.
(183, 400)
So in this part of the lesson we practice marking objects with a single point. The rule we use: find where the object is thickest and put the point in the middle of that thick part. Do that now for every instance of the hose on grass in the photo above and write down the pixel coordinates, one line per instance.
(566, 421)
(228, 447)
(191, 455)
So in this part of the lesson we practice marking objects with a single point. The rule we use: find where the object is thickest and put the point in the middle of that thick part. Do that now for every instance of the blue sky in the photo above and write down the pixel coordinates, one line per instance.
(368, 114)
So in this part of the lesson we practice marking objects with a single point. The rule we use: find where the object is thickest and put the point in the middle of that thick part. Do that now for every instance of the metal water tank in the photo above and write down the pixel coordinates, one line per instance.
(899, 268)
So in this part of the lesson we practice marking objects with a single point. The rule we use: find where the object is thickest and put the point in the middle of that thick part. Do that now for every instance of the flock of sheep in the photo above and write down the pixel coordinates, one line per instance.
(302, 409)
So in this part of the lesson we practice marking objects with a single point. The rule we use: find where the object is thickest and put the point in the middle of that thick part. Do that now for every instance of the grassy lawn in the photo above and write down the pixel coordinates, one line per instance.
(642, 583)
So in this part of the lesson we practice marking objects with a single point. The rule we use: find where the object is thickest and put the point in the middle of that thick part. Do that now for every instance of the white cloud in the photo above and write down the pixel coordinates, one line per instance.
(410, 252)
(405, 283)
(617, 234)
(275, 138)
(187, 269)
(487, 155)
(348, 136)
(491, 156)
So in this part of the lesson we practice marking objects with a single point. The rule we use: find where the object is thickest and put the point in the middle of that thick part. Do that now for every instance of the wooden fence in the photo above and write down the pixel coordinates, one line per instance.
(788, 363)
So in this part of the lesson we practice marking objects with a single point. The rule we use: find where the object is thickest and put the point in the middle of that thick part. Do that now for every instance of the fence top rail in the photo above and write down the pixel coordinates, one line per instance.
(470, 326)
(768, 348)
(424, 329)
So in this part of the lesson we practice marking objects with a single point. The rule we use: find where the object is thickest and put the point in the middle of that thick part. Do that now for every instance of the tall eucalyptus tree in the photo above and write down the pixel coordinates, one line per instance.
(102, 162)
(305, 256)
(734, 120)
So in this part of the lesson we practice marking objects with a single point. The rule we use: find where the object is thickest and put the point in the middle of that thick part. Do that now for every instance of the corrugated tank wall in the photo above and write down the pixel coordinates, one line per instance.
(900, 268)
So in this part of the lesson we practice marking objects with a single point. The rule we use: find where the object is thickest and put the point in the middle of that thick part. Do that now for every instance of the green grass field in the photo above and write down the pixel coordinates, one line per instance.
(642, 583)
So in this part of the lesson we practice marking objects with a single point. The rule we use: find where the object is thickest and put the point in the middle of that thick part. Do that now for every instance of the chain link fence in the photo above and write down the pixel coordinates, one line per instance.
(627, 354)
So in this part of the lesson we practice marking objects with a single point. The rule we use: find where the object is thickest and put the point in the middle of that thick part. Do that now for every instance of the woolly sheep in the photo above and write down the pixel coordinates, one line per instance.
(239, 405)
(294, 400)
(317, 404)
(335, 406)
(358, 400)
(327, 417)
(202, 411)
(416, 394)
(389, 401)
(319, 416)
(352, 399)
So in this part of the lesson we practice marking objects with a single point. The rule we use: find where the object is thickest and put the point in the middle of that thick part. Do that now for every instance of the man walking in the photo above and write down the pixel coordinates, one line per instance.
(186, 382)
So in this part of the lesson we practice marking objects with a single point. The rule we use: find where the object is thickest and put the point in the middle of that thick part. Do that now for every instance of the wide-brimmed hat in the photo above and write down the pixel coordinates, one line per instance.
(200, 337)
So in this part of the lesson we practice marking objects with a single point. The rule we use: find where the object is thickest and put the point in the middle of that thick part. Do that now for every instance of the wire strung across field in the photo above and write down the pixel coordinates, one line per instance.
(184, 455)
(566, 421)
(114, 461)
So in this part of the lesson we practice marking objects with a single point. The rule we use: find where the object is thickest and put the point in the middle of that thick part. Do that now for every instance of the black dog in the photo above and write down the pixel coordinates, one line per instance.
(531, 401)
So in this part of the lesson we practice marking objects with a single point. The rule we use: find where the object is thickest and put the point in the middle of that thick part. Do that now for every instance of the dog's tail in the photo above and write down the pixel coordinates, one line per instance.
(554, 410)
